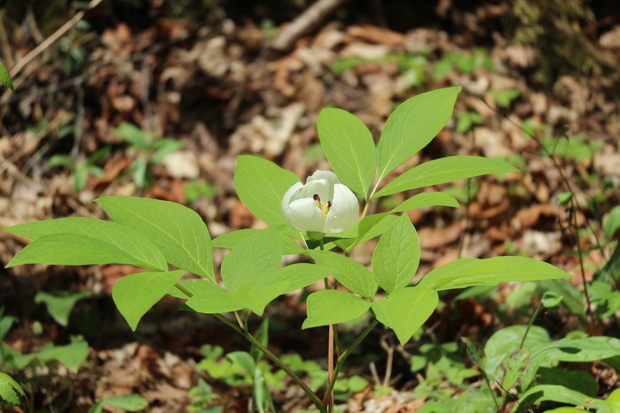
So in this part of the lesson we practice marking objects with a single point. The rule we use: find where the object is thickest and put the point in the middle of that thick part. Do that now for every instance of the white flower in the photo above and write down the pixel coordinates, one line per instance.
(323, 204)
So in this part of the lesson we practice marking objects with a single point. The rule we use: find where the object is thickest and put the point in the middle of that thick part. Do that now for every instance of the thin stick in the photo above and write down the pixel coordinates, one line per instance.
(305, 23)
(48, 42)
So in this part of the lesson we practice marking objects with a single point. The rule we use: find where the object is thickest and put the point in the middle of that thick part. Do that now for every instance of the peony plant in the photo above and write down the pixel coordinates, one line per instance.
(173, 244)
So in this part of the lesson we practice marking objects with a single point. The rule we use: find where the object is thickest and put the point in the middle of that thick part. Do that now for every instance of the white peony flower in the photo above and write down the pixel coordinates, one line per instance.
(323, 204)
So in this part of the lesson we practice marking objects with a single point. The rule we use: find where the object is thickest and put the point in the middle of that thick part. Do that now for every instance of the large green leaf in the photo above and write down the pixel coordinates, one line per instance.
(507, 340)
(261, 184)
(327, 307)
(512, 369)
(75, 249)
(85, 241)
(350, 273)
(295, 276)
(412, 126)
(135, 294)
(397, 255)
(179, 232)
(9, 389)
(426, 199)
(405, 310)
(250, 260)
(211, 299)
(439, 171)
(369, 227)
(231, 239)
(550, 392)
(568, 350)
(349, 147)
(490, 271)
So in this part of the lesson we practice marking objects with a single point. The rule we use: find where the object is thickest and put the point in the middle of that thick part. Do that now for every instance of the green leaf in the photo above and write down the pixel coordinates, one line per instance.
(412, 126)
(397, 255)
(262, 335)
(327, 307)
(296, 276)
(9, 389)
(195, 286)
(135, 294)
(578, 380)
(261, 184)
(129, 402)
(614, 401)
(564, 409)
(350, 273)
(548, 392)
(212, 302)
(60, 160)
(369, 227)
(250, 260)
(244, 359)
(439, 171)
(426, 199)
(75, 249)
(5, 77)
(507, 340)
(405, 310)
(59, 304)
(349, 147)
(475, 353)
(134, 135)
(71, 355)
(612, 222)
(579, 350)
(468, 272)
(89, 241)
(551, 299)
(231, 239)
(257, 299)
(512, 369)
(179, 232)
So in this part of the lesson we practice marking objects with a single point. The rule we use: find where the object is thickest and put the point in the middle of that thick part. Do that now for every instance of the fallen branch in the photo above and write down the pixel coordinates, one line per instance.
(305, 23)
(57, 34)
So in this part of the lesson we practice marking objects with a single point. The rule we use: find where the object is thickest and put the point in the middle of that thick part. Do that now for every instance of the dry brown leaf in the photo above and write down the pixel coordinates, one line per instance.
(378, 35)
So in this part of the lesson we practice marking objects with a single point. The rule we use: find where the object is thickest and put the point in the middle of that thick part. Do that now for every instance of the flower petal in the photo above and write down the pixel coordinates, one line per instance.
(344, 211)
(304, 215)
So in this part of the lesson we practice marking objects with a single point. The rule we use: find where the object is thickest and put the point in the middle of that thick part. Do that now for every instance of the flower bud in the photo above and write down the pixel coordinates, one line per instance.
(323, 204)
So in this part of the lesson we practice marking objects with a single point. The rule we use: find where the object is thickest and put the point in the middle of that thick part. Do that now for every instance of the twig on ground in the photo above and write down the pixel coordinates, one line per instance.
(48, 42)
(305, 23)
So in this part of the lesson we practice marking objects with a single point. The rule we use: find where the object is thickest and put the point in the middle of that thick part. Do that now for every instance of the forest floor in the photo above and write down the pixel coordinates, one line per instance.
(221, 91)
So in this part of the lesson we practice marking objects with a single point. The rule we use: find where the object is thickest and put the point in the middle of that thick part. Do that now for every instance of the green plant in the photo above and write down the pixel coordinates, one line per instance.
(505, 98)
(5, 77)
(412, 67)
(147, 149)
(81, 169)
(129, 402)
(465, 120)
(200, 397)
(196, 189)
(154, 234)
(466, 63)
(577, 147)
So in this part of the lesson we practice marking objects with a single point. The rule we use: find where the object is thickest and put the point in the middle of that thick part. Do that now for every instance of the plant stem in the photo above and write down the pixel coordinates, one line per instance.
(529, 325)
(345, 355)
(330, 348)
(315, 399)
(581, 266)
